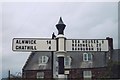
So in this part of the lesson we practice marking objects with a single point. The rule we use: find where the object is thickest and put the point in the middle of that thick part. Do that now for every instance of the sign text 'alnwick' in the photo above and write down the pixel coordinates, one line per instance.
(26, 47)
(20, 44)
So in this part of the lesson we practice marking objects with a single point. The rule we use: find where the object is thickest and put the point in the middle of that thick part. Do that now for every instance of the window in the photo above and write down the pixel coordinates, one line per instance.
(43, 60)
(87, 74)
(67, 61)
(65, 77)
(87, 56)
(40, 75)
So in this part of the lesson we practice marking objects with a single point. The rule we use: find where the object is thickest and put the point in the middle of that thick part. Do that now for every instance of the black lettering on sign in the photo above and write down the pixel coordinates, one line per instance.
(17, 41)
(91, 41)
(89, 49)
(100, 49)
(86, 48)
(72, 44)
(83, 45)
(75, 41)
(75, 48)
(97, 49)
(48, 42)
(86, 45)
(97, 41)
(99, 44)
(96, 45)
(83, 41)
(78, 45)
(81, 49)
(49, 47)
(91, 45)
(72, 41)
(26, 48)
(72, 48)
(94, 41)
(92, 49)
(25, 41)
(75, 44)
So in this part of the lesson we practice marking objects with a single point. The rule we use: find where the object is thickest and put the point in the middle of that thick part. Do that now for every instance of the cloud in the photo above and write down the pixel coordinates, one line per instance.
(90, 16)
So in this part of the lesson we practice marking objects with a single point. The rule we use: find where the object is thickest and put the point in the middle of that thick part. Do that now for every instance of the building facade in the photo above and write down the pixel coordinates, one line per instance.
(77, 65)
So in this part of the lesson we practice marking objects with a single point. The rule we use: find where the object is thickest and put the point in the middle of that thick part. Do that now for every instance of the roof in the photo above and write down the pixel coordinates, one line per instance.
(32, 61)
(35, 55)
(116, 55)
(29, 58)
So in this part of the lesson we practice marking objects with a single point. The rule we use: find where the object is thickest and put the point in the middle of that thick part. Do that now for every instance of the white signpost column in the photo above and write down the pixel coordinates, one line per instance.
(60, 55)
(60, 48)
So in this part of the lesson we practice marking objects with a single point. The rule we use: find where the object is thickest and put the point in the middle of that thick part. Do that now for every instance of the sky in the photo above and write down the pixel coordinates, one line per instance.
(84, 20)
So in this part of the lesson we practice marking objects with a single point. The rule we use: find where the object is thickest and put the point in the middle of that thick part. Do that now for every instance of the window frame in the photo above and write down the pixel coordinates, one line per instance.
(87, 56)
(67, 63)
(43, 60)
(87, 74)
(39, 76)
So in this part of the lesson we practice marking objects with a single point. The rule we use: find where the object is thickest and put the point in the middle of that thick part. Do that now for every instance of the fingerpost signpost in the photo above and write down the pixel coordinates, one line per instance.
(60, 45)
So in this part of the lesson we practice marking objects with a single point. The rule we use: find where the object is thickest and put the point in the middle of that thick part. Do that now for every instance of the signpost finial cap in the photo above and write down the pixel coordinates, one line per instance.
(60, 26)
(60, 21)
